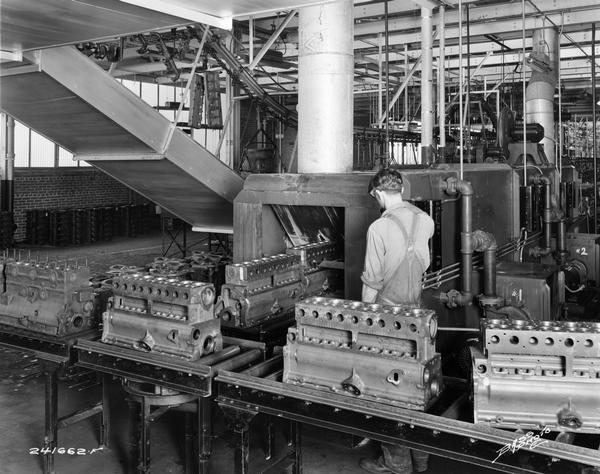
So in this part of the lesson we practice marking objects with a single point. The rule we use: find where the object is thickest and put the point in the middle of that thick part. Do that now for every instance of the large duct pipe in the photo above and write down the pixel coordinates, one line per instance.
(325, 88)
(540, 90)
(426, 87)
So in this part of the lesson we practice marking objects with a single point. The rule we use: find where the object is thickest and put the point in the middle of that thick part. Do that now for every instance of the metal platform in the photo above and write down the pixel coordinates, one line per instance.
(193, 379)
(170, 372)
(440, 431)
(56, 355)
(105, 124)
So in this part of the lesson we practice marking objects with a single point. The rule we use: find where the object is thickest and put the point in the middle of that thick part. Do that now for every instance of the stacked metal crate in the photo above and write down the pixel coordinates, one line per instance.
(59, 227)
(6, 229)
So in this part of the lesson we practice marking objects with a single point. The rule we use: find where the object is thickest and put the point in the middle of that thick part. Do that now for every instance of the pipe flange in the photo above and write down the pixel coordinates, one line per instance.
(487, 301)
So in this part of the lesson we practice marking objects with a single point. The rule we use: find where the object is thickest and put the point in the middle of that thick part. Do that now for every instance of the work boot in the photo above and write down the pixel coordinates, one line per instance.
(397, 458)
(420, 460)
(377, 466)
(374, 466)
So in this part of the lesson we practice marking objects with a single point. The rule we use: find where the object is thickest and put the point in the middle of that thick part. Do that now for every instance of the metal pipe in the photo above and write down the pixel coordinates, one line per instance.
(466, 235)
(399, 91)
(326, 83)
(546, 217)
(238, 361)
(7, 186)
(468, 101)
(387, 82)
(219, 356)
(460, 89)
(426, 87)
(489, 272)
(560, 130)
(524, 101)
(561, 242)
(539, 94)
(452, 186)
(271, 40)
(594, 127)
(442, 82)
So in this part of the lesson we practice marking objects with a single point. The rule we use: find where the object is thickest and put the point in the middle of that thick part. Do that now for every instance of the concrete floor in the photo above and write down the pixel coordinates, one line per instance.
(22, 411)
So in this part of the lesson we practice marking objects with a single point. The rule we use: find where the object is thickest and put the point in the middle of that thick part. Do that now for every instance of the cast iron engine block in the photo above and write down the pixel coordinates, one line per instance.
(53, 298)
(165, 316)
(262, 289)
(375, 352)
(534, 374)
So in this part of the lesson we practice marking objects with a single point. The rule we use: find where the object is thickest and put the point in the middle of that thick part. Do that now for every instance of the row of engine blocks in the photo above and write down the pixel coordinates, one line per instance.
(52, 298)
(526, 374)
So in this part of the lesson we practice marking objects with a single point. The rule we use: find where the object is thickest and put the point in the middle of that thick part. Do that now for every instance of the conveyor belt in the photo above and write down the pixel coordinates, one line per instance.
(439, 432)
(69, 99)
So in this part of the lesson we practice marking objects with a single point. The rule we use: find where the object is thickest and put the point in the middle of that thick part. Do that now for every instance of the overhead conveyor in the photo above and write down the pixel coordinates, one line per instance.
(68, 98)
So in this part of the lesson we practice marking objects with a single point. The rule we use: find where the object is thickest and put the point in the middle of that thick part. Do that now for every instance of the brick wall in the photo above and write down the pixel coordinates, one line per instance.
(61, 188)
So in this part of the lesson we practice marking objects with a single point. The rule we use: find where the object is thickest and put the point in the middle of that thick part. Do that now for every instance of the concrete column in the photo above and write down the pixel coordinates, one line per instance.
(426, 87)
(540, 90)
(325, 88)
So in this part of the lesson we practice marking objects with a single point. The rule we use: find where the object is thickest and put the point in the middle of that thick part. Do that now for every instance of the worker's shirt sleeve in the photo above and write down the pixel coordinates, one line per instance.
(373, 273)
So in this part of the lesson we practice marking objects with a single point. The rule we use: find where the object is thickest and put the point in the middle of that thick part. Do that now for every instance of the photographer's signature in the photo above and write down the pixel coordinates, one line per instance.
(528, 440)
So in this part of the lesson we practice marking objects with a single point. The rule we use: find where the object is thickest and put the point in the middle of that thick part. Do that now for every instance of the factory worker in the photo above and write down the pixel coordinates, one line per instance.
(396, 257)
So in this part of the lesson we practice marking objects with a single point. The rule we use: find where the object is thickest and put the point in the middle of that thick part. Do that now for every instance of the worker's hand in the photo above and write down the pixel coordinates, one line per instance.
(369, 295)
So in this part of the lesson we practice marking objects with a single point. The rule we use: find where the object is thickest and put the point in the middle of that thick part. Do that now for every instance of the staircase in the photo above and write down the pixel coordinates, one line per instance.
(66, 97)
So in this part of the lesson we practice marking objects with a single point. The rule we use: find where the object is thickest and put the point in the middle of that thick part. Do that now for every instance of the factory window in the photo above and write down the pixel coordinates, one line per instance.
(166, 100)
(33, 150)
(42, 152)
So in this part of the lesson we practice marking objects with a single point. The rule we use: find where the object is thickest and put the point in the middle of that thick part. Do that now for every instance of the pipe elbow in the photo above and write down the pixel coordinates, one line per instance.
(513, 312)
(464, 187)
(540, 179)
(454, 298)
(454, 185)
(483, 241)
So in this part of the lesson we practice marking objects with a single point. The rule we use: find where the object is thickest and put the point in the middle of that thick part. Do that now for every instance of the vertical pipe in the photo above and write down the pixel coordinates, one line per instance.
(562, 236)
(379, 78)
(387, 84)
(442, 82)
(7, 186)
(460, 87)
(3, 162)
(407, 122)
(426, 87)
(468, 99)
(467, 245)
(560, 130)
(489, 269)
(524, 102)
(594, 127)
(251, 39)
(547, 217)
(325, 88)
